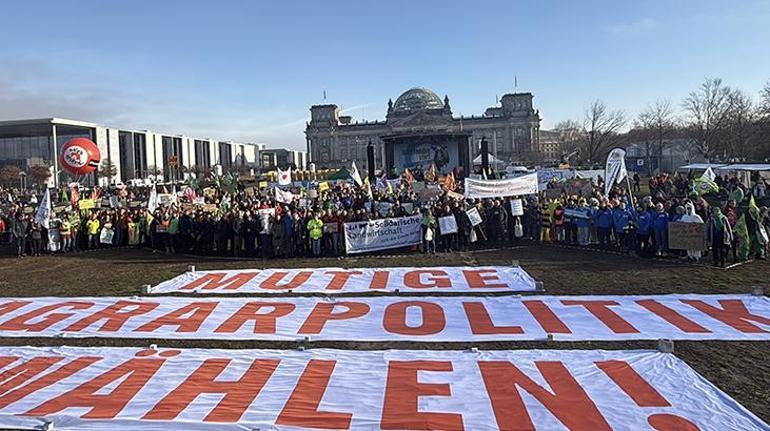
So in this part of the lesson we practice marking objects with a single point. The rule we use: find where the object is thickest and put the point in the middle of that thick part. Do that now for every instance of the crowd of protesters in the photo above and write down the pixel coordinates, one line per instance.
(249, 222)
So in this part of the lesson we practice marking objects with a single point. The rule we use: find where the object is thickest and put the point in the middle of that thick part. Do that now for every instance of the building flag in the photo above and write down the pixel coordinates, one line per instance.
(284, 177)
(355, 175)
(615, 170)
(43, 215)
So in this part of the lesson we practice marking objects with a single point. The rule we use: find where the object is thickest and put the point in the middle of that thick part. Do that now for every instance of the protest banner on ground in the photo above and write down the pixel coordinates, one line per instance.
(120, 388)
(382, 234)
(447, 225)
(391, 318)
(519, 186)
(517, 207)
(686, 236)
(341, 280)
(474, 216)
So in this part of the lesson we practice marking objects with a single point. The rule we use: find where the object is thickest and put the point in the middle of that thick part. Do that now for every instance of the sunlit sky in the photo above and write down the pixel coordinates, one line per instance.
(249, 70)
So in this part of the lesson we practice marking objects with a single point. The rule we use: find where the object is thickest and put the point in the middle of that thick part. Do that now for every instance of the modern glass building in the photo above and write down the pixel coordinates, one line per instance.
(135, 154)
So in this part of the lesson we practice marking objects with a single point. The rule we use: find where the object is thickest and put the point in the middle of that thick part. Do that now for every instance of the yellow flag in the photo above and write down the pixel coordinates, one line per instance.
(323, 186)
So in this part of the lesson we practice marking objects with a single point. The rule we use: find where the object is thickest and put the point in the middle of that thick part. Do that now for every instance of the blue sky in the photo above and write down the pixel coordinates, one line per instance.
(249, 70)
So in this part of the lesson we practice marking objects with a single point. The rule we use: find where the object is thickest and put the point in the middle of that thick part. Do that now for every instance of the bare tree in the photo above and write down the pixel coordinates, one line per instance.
(108, 169)
(9, 175)
(601, 126)
(741, 124)
(707, 110)
(656, 122)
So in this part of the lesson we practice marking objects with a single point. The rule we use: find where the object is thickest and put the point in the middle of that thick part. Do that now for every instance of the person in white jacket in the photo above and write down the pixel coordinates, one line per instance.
(691, 217)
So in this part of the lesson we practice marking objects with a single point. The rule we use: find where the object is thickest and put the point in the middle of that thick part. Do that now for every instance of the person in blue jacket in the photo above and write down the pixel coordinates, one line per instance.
(660, 227)
(643, 227)
(620, 218)
(583, 225)
(603, 221)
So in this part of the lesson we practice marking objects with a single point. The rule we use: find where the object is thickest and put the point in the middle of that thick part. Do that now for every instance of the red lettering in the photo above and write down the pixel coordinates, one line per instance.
(8, 307)
(566, 400)
(400, 409)
(15, 386)
(21, 322)
(264, 323)
(547, 319)
(340, 278)
(137, 371)
(271, 283)
(238, 394)
(481, 323)
(324, 312)
(671, 316)
(301, 410)
(379, 280)
(634, 385)
(413, 279)
(733, 313)
(478, 279)
(200, 311)
(114, 316)
(601, 310)
(432, 316)
(218, 281)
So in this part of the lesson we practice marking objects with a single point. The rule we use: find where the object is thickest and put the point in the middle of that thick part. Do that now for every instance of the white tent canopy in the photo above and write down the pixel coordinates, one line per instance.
(702, 166)
(746, 167)
(492, 160)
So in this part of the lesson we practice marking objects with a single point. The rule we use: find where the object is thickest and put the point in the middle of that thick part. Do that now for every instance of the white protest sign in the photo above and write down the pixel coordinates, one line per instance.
(328, 280)
(447, 225)
(382, 234)
(474, 216)
(126, 388)
(523, 185)
(391, 318)
(517, 207)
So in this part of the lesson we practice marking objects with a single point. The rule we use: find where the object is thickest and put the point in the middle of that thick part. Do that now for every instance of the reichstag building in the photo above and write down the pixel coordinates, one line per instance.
(421, 123)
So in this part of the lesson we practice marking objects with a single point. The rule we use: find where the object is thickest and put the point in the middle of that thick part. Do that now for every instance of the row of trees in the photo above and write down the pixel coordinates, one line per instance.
(720, 122)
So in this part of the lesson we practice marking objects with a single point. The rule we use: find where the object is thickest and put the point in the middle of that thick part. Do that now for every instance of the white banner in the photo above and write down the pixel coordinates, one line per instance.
(283, 196)
(388, 318)
(142, 389)
(352, 280)
(382, 234)
(523, 185)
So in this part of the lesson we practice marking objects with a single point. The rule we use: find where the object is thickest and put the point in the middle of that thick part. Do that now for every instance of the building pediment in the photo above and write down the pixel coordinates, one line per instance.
(419, 120)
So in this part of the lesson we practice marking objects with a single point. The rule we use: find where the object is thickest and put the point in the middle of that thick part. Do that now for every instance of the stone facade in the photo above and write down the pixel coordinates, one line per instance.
(334, 140)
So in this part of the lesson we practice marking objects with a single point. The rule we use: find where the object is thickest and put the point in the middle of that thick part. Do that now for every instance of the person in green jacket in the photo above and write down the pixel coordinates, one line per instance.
(316, 228)
(173, 232)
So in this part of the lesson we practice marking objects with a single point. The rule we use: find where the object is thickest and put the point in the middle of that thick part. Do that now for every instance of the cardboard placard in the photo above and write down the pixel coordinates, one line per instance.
(686, 236)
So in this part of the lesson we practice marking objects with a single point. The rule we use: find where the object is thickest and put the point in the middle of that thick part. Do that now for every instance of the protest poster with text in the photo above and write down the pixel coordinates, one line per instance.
(447, 225)
(382, 234)
(393, 318)
(519, 186)
(473, 216)
(109, 389)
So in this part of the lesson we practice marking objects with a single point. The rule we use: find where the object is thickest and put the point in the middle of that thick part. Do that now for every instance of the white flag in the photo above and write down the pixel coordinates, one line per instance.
(282, 196)
(43, 215)
(355, 175)
(615, 170)
(152, 203)
(284, 177)
(709, 174)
